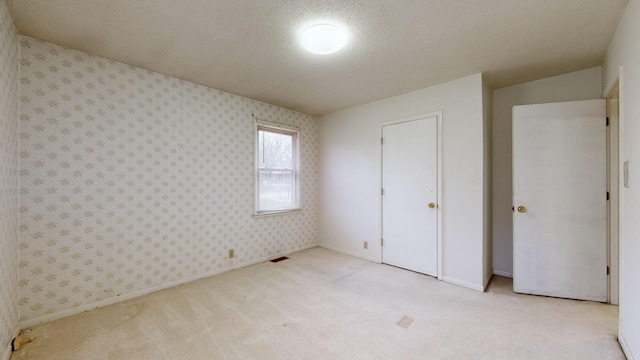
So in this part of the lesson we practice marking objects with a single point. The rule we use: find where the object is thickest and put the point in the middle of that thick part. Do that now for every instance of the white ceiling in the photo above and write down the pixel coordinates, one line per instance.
(250, 47)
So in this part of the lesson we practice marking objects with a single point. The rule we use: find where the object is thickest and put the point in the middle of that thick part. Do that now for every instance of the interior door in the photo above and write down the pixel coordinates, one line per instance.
(559, 197)
(409, 201)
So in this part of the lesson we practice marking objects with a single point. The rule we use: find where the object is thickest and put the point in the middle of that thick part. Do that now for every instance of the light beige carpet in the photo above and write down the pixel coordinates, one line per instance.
(323, 305)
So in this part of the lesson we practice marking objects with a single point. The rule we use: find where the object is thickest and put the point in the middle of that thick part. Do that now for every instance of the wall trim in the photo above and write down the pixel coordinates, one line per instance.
(464, 284)
(503, 273)
(132, 295)
(351, 253)
(625, 348)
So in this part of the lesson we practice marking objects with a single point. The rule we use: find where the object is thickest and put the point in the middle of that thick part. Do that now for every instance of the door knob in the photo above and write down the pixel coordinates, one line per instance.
(522, 209)
(431, 205)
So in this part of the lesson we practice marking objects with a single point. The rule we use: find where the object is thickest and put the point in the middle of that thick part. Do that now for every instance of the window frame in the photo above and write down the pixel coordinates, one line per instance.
(295, 171)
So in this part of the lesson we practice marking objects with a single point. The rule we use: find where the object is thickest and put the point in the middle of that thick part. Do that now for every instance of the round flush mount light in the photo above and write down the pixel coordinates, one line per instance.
(323, 39)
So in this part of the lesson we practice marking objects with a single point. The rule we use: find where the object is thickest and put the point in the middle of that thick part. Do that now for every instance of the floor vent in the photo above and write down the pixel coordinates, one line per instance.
(279, 259)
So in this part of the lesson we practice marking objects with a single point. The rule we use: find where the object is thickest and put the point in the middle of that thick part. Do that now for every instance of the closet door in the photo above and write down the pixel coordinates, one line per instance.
(559, 197)
(409, 200)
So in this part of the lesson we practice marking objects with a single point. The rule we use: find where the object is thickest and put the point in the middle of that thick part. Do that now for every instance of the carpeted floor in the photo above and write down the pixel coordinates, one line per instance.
(323, 305)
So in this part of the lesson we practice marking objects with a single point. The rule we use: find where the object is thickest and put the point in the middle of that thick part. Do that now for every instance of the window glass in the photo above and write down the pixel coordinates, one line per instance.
(276, 170)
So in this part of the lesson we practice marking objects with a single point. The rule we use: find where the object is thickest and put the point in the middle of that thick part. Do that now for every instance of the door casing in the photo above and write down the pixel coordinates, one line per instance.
(614, 169)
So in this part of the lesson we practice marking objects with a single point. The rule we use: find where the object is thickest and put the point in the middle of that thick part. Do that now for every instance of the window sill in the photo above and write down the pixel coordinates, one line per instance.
(276, 213)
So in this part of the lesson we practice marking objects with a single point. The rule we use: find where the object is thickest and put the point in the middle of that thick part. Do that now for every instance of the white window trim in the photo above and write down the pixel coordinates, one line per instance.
(296, 171)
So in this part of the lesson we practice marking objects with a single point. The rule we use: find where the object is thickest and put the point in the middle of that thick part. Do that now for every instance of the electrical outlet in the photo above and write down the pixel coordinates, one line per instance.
(232, 254)
(366, 245)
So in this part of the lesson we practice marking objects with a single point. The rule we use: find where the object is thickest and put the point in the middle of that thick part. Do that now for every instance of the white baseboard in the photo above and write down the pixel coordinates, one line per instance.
(476, 287)
(625, 347)
(132, 295)
(351, 253)
(503, 273)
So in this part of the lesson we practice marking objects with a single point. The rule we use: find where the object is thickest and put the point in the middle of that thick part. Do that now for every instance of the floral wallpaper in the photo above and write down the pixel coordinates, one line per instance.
(9, 149)
(131, 180)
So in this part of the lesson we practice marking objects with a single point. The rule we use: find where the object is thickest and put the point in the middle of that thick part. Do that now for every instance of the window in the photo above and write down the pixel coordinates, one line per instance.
(276, 169)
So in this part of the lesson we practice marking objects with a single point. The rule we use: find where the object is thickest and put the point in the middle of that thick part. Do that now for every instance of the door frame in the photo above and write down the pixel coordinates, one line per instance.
(439, 206)
(614, 184)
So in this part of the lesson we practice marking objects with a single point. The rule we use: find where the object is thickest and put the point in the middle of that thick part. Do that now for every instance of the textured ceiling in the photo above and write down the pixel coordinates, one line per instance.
(250, 47)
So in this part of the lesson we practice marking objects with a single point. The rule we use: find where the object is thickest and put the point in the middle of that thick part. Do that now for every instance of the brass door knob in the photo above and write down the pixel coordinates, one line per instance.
(431, 205)
(522, 209)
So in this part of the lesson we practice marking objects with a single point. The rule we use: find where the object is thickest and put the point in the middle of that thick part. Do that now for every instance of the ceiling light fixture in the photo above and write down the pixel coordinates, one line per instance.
(323, 39)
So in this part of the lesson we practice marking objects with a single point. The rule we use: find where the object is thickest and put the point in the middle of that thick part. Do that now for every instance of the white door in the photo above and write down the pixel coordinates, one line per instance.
(409, 201)
(559, 197)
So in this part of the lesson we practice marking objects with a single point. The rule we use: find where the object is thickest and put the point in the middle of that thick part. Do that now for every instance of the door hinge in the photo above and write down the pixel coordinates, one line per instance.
(607, 121)
(608, 270)
(607, 195)
(382, 192)
(381, 242)
(381, 141)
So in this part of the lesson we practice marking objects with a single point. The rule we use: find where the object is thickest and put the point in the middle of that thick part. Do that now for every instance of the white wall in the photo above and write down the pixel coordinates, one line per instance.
(579, 85)
(624, 50)
(9, 175)
(132, 181)
(350, 171)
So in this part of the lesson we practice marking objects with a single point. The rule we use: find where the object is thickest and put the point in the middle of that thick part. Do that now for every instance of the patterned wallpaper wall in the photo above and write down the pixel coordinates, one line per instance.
(9, 149)
(131, 179)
